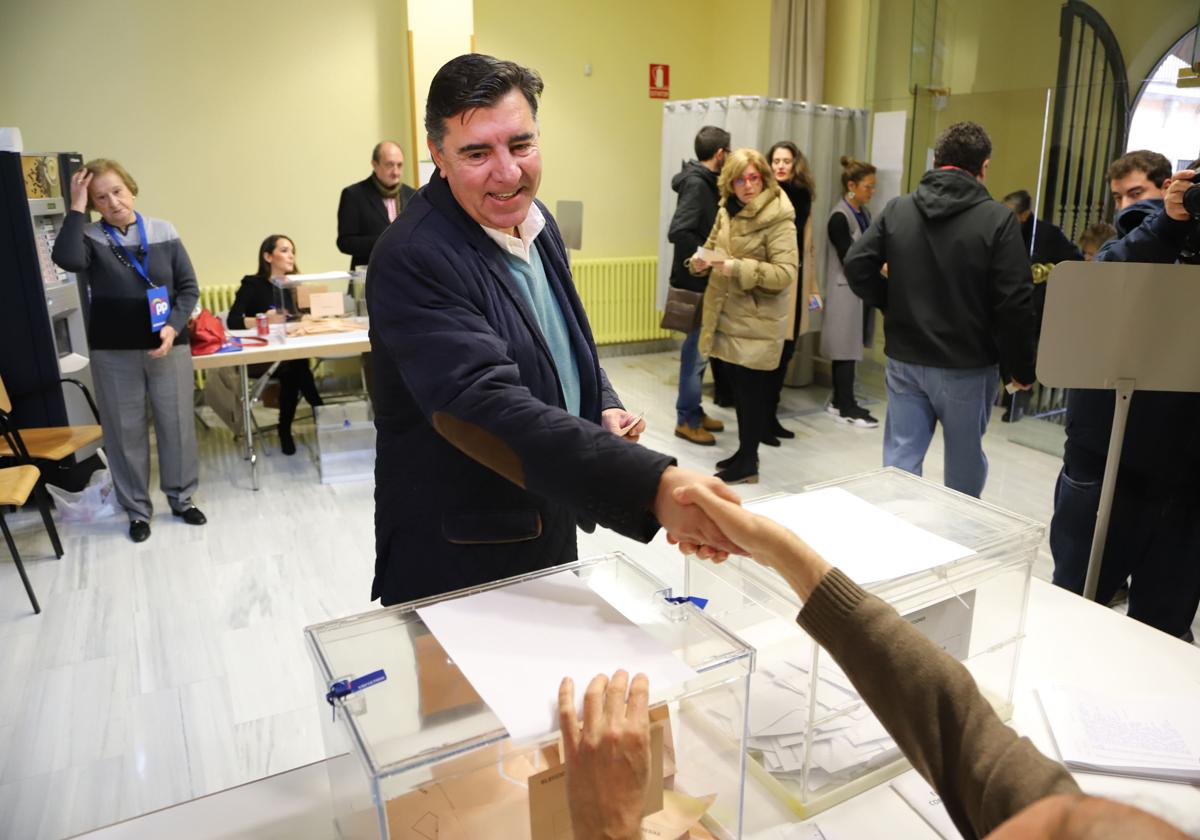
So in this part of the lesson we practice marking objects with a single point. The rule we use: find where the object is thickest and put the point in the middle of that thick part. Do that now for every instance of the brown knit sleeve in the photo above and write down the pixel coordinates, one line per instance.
(983, 771)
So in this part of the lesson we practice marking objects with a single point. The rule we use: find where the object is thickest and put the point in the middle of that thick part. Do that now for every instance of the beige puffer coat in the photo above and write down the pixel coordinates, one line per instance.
(746, 312)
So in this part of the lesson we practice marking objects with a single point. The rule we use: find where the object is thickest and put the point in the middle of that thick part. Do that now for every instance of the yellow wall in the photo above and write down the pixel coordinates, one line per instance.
(238, 119)
(601, 135)
(847, 33)
(441, 30)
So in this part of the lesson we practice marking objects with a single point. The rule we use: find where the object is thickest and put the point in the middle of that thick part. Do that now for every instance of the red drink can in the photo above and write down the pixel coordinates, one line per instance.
(263, 327)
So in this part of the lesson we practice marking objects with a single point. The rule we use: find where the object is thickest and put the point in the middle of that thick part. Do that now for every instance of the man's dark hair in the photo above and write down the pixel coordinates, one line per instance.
(965, 145)
(710, 140)
(475, 81)
(1156, 166)
(1019, 200)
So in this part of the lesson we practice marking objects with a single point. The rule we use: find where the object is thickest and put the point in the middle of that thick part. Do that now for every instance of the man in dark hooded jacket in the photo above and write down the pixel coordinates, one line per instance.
(957, 299)
(695, 213)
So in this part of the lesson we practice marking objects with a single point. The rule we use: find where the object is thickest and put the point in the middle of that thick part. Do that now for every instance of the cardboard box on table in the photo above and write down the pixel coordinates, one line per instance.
(828, 747)
(421, 756)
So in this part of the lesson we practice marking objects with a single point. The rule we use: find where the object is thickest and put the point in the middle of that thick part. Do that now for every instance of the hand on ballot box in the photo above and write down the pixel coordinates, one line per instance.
(608, 757)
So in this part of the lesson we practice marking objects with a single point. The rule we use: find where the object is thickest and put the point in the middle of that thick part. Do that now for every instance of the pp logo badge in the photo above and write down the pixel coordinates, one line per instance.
(160, 307)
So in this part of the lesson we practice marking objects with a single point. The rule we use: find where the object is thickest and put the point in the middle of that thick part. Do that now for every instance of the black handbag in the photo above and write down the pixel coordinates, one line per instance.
(683, 311)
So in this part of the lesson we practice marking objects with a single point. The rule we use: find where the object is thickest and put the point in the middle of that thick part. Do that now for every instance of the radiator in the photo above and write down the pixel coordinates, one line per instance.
(619, 297)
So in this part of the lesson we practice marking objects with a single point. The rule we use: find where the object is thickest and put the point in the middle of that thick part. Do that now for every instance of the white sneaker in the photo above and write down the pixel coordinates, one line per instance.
(830, 408)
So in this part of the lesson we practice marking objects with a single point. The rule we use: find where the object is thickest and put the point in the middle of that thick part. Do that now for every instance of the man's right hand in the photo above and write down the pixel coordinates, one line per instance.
(1017, 386)
(688, 523)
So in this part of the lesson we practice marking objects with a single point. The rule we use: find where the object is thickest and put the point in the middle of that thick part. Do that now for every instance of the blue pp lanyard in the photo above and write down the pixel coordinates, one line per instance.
(141, 266)
(860, 217)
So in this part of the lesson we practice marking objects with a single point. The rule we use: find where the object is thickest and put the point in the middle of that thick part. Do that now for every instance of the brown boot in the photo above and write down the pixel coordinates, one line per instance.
(711, 424)
(695, 434)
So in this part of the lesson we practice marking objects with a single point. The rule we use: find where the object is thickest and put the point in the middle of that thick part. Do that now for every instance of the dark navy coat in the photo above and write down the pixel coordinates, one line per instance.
(480, 472)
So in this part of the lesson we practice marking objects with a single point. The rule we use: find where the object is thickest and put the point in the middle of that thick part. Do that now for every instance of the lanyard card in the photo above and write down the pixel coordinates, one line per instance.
(160, 307)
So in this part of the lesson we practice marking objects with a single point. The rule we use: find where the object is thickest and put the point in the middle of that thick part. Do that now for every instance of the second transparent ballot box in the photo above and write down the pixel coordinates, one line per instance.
(812, 741)
(324, 295)
(420, 754)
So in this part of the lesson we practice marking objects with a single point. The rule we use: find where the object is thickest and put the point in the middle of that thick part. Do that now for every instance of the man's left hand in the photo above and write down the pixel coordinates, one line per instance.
(616, 419)
(167, 336)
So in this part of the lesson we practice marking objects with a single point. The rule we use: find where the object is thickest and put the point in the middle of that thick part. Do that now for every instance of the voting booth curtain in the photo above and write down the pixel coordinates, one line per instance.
(823, 132)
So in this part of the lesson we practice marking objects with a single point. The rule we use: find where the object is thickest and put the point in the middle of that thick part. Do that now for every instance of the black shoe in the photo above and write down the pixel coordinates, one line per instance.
(723, 400)
(191, 516)
(740, 472)
(770, 440)
(139, 530)
(286, 443)
(725, 462)
(780, 431)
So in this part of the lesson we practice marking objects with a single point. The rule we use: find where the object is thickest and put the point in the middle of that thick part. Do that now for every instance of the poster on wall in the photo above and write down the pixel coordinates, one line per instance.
(660, 81)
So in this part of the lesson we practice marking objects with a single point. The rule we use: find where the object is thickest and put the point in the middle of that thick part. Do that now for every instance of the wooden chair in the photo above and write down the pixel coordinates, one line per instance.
(49, 443)
(16, 485)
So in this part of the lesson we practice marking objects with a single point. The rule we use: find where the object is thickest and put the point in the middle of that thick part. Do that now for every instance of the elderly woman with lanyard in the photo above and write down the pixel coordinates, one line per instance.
(141, 288)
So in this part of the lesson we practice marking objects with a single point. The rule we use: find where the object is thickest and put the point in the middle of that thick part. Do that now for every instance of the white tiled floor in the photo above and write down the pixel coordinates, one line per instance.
(163, 671)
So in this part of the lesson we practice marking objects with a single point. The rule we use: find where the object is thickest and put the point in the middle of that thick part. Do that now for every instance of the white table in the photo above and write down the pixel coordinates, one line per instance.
(332, 345)
(1068, 640)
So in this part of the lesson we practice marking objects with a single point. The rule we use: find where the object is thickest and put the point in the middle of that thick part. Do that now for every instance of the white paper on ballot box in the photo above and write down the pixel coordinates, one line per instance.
(516, 643)
(866, 542)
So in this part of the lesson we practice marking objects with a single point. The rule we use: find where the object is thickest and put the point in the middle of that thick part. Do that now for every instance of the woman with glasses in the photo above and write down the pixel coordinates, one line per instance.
(848, 324)
(750, 259)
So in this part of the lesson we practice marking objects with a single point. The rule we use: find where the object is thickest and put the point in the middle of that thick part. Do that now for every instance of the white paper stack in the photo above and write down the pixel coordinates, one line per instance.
(1146, 737)
(847, 740)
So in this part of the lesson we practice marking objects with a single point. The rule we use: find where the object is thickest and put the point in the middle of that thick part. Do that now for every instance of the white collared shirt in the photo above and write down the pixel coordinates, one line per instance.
(529, 230)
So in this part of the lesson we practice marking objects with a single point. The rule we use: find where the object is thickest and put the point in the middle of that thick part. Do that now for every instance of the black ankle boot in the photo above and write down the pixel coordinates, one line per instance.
(286, 443)
(742, 471)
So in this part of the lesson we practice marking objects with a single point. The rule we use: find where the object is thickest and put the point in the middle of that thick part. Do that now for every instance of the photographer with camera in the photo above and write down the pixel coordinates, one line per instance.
(1153, 534)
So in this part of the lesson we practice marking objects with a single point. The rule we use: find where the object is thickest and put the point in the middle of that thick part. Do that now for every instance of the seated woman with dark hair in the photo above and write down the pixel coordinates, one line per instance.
(256, 295)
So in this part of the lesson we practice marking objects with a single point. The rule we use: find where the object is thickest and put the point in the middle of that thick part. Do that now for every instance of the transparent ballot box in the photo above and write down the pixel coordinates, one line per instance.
(812, 742)
(421, 755)
(328, 294)
(345, 441)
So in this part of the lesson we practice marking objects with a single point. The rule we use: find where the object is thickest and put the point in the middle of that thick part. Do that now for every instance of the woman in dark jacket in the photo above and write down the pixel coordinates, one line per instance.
(792, 173)
(276, 258)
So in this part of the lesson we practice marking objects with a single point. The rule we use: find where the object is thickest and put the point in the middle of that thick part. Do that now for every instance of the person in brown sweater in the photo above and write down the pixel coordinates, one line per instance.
(993, 782)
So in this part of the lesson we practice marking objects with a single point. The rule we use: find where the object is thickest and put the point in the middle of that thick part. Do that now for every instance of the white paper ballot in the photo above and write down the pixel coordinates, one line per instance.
(322, 275)
(924, 800)
(867, 543)
(516, 643)
(1149, 737)
(711, 256)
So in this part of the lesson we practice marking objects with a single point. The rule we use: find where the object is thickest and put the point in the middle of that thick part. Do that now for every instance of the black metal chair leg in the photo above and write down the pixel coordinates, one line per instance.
(43, 503)
(12, 547)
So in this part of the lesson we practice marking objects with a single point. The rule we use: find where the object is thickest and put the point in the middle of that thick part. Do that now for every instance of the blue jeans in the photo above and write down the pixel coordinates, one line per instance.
(691, 376)
(919, 397)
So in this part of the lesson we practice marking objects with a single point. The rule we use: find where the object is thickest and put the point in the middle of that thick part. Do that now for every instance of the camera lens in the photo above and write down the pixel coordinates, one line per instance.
(1191, 200)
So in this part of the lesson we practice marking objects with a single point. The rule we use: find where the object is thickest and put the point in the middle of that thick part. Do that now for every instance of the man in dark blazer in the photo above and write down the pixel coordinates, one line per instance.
(497, 431)
(368, 207)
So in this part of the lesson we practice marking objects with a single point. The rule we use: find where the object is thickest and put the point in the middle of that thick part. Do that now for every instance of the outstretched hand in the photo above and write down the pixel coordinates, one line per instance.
(608, 760)
(767, 542)
(689, 525)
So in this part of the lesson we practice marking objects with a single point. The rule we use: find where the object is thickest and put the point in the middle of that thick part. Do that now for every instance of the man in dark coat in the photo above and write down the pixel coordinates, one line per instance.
(498, 432)
(368, 207)
(1153, 535)
(695, 212)
(957, 299)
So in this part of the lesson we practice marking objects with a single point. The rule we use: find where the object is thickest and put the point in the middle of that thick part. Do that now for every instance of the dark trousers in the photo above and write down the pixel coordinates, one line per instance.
(777, 377)
(295, 379)
(751, 393)
(1153, 539)
(843, 385)
(722, 381)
